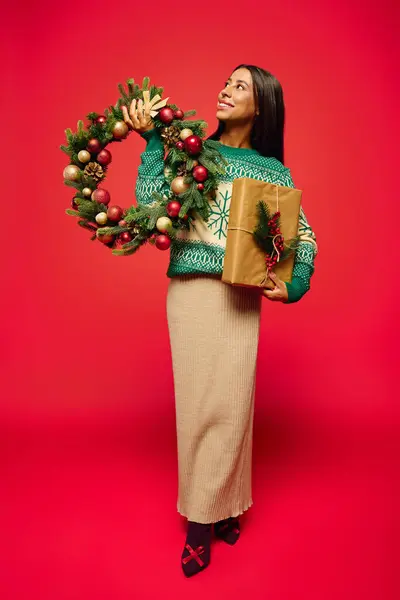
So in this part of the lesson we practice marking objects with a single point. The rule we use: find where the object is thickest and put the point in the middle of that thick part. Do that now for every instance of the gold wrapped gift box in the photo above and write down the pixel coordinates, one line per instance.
(244, 262)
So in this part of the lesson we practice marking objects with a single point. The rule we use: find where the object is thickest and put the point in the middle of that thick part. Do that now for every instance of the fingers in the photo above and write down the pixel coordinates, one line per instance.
(126, 116)
(141, 111)
(279, 283)
(275, 294)
(136, 119)
(279, 292)
(133, 111)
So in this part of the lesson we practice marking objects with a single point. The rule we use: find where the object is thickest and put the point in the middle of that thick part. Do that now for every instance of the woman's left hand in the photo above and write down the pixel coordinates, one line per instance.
(279, 293)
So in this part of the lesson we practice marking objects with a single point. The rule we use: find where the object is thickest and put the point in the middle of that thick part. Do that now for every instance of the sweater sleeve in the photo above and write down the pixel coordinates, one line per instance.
(151, 176)
(306, 252)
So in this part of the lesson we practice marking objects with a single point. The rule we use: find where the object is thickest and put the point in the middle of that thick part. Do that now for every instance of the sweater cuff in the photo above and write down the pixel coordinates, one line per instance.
(296, 290)
(153, 140)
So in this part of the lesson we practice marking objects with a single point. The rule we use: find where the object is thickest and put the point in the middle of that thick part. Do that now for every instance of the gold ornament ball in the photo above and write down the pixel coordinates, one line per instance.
(101, 218)
(87, 192)
(84, 156)
(120, 130)
(71, 173)
(163, 224)
(185, 133)
(178, 185)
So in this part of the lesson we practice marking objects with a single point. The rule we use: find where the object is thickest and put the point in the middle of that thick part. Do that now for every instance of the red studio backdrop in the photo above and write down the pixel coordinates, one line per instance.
(87, 423)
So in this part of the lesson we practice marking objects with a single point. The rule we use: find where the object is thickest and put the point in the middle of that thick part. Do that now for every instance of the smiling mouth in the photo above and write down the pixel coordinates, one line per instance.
(223, 105)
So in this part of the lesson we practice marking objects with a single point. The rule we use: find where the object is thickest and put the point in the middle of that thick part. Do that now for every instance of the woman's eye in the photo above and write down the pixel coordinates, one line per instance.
(239, 85)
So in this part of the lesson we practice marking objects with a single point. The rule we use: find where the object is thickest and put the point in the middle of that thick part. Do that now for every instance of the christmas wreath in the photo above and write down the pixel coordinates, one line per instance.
(193, 167)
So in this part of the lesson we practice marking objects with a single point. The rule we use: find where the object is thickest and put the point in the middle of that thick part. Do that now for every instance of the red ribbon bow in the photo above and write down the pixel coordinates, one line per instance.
(194, 554)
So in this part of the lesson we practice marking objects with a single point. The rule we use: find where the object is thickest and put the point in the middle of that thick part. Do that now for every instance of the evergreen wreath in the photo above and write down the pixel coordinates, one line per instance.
(193, 167)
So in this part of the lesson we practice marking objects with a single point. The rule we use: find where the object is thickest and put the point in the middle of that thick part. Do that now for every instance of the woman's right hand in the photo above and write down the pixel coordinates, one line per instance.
(140, 112)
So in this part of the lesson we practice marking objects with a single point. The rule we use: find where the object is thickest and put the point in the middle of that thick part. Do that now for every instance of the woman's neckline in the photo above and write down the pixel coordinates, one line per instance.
(235, 149)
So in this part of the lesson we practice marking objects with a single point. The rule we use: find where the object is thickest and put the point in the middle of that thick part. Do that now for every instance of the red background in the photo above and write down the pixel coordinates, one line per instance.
(87, 423)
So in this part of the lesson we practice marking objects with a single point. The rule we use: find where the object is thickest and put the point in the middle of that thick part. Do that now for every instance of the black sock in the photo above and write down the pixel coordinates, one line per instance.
(196, 552)
(228, 530)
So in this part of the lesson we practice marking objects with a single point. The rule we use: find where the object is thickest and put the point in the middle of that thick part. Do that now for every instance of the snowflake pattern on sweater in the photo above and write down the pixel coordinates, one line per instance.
(219, 215)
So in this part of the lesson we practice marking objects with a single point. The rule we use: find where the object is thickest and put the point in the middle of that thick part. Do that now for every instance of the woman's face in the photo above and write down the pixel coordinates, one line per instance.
(238, 93)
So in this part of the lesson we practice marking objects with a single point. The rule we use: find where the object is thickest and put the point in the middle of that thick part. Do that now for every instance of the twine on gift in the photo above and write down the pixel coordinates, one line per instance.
(265, 279)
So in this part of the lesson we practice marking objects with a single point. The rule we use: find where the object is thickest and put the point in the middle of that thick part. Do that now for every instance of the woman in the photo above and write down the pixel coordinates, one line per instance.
(214, 327)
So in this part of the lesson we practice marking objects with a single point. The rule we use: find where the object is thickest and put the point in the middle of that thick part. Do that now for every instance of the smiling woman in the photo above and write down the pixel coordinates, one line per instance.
(238, 101)
(214, 327)
(250, 135)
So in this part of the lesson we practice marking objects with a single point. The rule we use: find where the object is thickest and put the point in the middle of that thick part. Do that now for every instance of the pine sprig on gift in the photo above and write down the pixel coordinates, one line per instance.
(261, 232)
(265, 237)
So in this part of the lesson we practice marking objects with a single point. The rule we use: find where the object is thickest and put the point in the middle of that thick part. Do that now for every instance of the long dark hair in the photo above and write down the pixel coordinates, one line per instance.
(268, 128)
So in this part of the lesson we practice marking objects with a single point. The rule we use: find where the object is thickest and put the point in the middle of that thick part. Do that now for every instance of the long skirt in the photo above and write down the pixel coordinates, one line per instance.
(214, 332)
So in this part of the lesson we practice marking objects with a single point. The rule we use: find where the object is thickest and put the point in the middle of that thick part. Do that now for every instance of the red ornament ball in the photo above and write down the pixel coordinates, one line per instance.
(101, 196)
(74, 205)
(178, 114)
(200, 173)
(122, 223)
(180, 145)
(94, 146)
(193, 145)
(125, 237)
(101, 120)
(105, 239)
(163, 242)
(104, 157)
(114, 213)
(173, 208)
(200, 186)
(166, 115)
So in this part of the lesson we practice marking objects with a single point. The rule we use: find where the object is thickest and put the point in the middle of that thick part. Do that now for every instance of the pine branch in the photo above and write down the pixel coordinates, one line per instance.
(69, 134)
(66, 150)
(124, 95)
(111, 230)
(156, 213)
(74, 184)
(87, 226)
(131, 247)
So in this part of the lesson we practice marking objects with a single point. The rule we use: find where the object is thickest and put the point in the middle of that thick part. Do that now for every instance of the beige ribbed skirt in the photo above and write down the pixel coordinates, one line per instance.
(214, 333)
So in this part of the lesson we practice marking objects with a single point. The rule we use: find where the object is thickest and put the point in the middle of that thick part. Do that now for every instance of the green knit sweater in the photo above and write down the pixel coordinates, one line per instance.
(204, 252)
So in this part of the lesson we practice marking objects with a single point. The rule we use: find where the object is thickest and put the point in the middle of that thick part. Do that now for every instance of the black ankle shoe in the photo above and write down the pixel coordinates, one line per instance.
(196, 552)
(228, 530)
